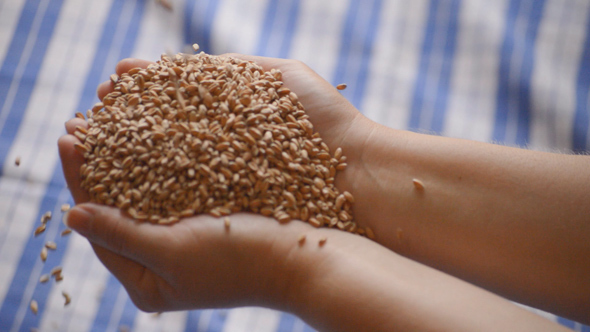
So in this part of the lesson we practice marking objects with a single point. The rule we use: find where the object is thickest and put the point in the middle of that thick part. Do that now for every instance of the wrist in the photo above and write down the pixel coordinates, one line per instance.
(373, 171)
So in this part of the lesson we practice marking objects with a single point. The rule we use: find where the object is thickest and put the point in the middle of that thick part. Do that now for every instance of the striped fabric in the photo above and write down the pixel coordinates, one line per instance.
(509, 71)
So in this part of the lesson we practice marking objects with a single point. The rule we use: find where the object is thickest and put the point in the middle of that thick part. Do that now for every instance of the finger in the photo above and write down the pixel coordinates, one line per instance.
(73, 123)
(71, 161)
(110, 229)
(139, 282)
(104, 89)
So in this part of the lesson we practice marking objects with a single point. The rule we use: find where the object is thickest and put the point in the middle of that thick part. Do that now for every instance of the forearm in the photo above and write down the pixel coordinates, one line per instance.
(514, 221)
(357, 285)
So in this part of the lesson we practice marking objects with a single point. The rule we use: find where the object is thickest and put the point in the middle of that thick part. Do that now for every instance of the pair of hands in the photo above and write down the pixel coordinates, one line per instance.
(352, 283)
(196, 263)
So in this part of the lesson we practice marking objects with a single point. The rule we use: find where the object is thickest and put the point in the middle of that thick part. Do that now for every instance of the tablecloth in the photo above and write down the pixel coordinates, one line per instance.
(515, 72)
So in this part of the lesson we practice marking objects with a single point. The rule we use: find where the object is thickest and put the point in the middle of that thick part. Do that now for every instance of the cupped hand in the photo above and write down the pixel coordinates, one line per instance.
(199, 262)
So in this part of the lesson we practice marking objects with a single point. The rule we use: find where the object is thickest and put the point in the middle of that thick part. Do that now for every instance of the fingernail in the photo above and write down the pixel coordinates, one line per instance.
(78, 219)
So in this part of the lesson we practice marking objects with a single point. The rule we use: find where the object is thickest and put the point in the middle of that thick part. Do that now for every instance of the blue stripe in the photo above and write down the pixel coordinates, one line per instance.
(57, 183)
(444, 82)
(503, 94)
(308, 328)
(420, 94)
(210, 14)
(292, 19)
(367, 51)
(16, 47)
(581, 117)
(516, 93)
(566, 322)
(287, 322)
(107, 302)
(267, 27)
(76, 37)
(16, 111)
(502, 99)
(101, 63)
(192, 320)
(346, 44)
(30, 256)
(129, 313)
(359, 30)
(189, 10)
(528, 64)
(278, 28)
(217, 321)
(198, 23)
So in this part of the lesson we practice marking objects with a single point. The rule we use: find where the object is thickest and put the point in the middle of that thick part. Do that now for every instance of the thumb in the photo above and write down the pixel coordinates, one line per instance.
(107, 227)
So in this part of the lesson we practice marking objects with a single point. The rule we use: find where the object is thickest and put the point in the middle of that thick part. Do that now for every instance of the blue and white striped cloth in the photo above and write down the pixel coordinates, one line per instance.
(510, 71)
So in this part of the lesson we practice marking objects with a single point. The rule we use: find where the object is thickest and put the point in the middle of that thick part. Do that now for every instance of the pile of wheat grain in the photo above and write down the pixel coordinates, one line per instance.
(196, 134)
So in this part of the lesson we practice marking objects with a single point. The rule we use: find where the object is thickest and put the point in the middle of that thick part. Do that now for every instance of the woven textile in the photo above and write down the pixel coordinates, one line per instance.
(509, 71)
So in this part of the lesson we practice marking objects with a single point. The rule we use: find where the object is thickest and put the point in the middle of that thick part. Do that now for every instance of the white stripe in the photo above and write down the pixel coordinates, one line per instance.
(252, 319)
(317, 39)
(46, 113)
(237, 26)
(61, 79)
(23, 60)
(472, 104)
(204, 320)
(393, 69)
(117, 311)
(15, 234)
(10, 13)
(539, 312)
(168, 321)
(84, 280)
(160, 32)
(49, 235)
(557, 56)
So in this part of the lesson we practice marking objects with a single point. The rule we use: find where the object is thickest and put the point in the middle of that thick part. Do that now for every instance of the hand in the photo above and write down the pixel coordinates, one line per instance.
(197, 262)
(349, 284)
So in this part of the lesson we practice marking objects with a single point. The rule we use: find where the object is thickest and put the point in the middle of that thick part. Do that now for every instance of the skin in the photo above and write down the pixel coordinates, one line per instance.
(507, 221)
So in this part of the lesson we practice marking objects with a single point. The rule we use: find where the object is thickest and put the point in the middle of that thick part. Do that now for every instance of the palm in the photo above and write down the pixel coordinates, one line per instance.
(154, 262)
(330, 113)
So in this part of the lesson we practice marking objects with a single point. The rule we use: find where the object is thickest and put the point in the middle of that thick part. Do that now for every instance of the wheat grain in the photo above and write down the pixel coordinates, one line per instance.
(419, 185)
(40, 229)
(34, 307)
(301, 239)
(50, 245)
(197, 134)
(67, 298)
